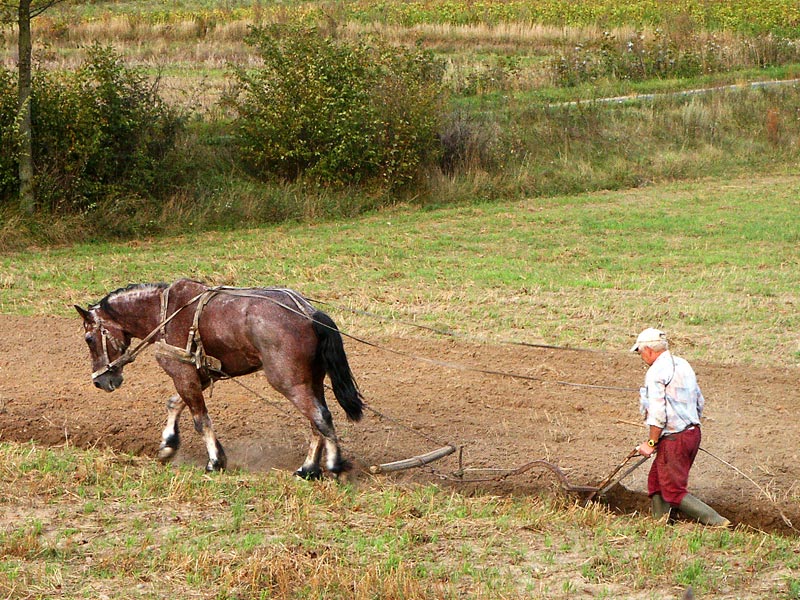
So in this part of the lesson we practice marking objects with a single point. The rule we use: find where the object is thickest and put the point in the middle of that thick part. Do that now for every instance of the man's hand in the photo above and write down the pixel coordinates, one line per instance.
(645, 449)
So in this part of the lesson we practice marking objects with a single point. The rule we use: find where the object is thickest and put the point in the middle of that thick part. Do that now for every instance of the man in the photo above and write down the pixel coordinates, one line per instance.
(672, 404)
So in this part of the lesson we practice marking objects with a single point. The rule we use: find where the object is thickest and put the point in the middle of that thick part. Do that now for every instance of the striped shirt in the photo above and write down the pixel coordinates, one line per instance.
(671, 398)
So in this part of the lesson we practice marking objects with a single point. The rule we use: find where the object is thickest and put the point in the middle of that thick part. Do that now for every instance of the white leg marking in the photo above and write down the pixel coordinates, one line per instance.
(211, 443)
(333, 460)
(169, 437)
(314, 453)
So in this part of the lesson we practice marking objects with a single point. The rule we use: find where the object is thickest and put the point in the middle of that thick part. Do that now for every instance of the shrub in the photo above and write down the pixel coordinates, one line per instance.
(470, 141)
(135, 127)
(98, 132)
(337, 112)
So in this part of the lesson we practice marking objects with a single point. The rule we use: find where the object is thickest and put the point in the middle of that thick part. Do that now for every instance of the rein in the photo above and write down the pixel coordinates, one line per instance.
(301, 308)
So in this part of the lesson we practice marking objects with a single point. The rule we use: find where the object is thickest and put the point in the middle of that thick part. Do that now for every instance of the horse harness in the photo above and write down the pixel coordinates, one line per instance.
(194, 353)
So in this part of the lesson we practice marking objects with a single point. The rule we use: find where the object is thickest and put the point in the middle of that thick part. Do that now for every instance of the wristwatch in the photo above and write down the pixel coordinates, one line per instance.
(651, 443)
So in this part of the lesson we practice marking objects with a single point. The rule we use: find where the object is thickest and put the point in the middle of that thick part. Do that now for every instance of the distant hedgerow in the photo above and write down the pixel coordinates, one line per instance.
(334, 111)
(662, 54)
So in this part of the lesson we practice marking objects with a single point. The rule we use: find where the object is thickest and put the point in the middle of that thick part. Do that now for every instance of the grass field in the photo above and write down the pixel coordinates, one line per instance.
(713, 262)
(90, 524)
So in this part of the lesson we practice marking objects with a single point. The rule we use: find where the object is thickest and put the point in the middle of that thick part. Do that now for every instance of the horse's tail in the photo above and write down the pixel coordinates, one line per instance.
(331, 351)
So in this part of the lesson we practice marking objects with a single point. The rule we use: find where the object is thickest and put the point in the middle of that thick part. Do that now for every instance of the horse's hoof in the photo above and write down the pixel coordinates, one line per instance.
(308, 474)
(166, 453)
(220, 464)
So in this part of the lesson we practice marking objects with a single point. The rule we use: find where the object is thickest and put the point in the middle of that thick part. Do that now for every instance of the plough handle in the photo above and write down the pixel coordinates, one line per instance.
(605, 481)
(602, 491)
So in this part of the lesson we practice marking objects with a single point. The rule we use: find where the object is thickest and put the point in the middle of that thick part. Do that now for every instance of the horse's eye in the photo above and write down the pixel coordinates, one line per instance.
(89, 338)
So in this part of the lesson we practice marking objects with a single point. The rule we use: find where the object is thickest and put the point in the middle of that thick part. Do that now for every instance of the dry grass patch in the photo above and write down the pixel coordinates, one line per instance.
(99, 524)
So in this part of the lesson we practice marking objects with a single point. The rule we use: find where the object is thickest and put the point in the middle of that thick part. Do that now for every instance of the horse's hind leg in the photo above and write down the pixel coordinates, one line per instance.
(323, 434)
(170, 438)
(334, 461)
(310, 468)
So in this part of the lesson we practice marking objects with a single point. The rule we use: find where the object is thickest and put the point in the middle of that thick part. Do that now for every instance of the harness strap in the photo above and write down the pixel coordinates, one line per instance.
(302, 305)
(164, 305)
(299, 301)
(199, 358)
(193, 353)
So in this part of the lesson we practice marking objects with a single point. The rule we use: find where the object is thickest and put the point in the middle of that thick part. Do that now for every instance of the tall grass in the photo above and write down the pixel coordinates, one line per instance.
(200, 45)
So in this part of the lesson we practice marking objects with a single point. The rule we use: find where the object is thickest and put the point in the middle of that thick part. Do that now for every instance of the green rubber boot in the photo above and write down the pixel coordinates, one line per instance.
(660, 507)
(701, 511)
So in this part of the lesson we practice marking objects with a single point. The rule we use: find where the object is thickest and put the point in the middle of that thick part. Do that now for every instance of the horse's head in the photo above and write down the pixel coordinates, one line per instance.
(107, 343)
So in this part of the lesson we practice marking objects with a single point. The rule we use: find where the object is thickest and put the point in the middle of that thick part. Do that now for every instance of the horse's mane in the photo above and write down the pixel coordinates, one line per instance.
(105, 303)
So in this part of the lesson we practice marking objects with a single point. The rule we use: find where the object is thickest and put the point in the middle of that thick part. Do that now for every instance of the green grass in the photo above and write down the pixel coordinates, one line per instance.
(714, 262)
(159, 532)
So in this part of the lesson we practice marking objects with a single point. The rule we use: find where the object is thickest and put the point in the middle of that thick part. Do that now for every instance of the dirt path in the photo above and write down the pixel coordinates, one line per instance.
(750, 418)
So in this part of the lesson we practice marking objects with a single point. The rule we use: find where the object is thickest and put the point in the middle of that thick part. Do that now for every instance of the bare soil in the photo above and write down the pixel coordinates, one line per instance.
(498, 422)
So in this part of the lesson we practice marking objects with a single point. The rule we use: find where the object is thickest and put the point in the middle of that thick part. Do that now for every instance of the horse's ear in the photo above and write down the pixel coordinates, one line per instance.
(82, 312)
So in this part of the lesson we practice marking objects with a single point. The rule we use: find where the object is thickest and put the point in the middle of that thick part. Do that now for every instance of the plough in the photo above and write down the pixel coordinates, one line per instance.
(592, 491)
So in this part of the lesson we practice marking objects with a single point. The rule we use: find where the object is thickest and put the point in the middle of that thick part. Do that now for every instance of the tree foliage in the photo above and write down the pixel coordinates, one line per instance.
(9, 146)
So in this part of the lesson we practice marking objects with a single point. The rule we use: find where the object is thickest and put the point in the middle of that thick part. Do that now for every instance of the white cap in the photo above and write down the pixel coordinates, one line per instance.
(649, 335)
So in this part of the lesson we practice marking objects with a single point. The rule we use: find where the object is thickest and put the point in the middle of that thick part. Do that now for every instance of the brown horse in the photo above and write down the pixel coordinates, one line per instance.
(204, 333)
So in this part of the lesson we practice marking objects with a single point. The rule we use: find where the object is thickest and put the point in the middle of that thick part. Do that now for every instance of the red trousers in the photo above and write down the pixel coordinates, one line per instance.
(669, 474)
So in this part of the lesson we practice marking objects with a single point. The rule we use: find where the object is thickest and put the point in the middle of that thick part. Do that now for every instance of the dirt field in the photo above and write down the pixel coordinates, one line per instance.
(500, 422)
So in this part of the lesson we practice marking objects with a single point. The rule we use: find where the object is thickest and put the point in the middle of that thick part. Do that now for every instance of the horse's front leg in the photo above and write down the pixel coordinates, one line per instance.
(190, 389)
(217, 461)
(170, 438)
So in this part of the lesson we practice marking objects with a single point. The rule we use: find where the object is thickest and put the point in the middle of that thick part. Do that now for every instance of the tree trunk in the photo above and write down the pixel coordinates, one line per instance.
(27, 200)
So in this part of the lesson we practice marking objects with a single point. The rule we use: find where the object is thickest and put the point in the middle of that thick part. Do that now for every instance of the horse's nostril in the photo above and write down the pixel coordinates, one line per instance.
(97, 385)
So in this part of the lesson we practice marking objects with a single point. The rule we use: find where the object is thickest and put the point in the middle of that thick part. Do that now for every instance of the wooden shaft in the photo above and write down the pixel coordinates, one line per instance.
(414, 461)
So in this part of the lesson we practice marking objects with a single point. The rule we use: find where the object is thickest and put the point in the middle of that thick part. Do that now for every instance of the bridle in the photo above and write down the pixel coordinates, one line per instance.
(105, 339)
